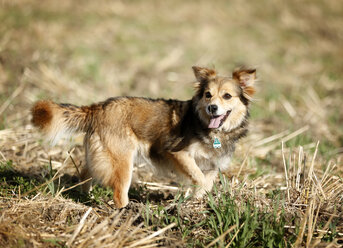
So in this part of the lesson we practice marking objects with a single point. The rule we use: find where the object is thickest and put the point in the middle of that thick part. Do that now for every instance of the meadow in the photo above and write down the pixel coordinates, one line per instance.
(284, 187)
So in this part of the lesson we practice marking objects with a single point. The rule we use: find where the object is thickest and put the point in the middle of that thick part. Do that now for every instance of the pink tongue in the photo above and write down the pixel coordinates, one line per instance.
(215, 121)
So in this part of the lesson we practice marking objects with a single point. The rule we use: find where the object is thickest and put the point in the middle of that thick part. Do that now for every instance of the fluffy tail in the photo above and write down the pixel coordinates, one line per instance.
(60, 120)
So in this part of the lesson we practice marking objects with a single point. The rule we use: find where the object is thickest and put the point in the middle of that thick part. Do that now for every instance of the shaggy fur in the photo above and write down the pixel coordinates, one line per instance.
(169, 134)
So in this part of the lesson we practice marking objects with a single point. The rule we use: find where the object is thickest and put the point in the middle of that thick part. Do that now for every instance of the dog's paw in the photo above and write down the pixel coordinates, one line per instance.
(200, 192)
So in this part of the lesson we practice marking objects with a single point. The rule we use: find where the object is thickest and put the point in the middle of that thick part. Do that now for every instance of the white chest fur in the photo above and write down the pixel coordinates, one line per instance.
(207, 160)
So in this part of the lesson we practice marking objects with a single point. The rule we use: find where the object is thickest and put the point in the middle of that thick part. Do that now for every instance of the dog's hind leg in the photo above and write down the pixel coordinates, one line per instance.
(122, 166)
(110, 163)
(86, 177)
(86, 174)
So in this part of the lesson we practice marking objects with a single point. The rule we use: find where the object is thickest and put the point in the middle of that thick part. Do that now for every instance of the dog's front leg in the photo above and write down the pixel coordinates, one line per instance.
(210, 177)
(186, 164)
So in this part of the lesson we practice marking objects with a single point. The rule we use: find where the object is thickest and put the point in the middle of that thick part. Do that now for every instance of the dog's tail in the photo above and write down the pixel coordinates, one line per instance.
(60, 120)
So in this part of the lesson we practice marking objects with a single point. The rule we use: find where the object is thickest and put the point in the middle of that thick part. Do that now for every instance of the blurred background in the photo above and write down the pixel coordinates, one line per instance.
(85, 51)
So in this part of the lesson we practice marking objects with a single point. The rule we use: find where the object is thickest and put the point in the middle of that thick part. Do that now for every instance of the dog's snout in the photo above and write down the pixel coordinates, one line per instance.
(212, 108)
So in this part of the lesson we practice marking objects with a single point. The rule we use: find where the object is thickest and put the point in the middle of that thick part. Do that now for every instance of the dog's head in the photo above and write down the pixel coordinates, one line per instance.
(222, 102)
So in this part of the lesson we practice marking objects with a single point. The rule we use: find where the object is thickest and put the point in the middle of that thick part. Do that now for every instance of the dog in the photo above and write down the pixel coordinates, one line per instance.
(195, 138)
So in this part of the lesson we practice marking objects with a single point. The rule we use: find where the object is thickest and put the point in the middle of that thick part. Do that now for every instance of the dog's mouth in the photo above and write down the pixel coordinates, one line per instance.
(217, 121)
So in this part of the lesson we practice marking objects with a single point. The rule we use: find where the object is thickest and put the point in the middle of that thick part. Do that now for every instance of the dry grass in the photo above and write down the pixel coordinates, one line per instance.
(81, 53)
(48, 222)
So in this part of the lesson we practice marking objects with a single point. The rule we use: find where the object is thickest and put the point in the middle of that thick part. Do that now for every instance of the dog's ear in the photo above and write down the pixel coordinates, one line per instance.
(246, 79)
(203, 74)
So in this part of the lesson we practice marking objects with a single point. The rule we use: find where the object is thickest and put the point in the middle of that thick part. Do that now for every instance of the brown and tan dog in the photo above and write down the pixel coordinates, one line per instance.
(195, 138)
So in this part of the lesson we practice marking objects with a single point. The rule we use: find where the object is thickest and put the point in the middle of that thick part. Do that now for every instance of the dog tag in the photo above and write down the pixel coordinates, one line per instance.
(216, 143)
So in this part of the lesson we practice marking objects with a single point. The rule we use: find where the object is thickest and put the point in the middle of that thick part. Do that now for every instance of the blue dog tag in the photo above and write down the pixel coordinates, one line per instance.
(216, 143)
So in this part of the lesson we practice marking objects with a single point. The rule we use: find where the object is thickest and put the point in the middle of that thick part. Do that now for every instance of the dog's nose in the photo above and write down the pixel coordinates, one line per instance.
(212, 108)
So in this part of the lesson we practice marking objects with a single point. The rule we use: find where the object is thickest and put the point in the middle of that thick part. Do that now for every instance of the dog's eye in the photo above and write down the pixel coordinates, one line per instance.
(227, 96)
(208, 95)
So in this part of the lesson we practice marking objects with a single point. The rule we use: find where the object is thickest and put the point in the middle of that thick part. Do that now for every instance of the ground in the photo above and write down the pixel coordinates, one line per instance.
(284, 187)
